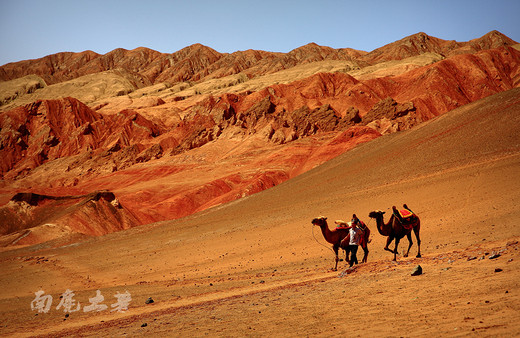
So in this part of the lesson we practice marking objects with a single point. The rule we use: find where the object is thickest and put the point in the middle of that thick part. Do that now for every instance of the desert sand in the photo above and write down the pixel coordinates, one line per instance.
(257, 267)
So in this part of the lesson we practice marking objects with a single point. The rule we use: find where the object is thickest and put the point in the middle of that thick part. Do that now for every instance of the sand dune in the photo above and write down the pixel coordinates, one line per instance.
(257, 267)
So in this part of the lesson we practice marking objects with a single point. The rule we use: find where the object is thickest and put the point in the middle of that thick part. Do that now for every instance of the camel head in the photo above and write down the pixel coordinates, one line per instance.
(319, 221)
(376, 214)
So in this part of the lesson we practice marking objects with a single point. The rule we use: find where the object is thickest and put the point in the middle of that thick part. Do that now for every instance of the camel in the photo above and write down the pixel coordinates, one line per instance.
(337, 236)
(397, 228)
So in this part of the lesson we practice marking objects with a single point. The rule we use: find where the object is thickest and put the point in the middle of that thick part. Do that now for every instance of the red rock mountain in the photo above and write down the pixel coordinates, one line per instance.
(32, 218)
(197, 61)
(421, 43)
(174, 134)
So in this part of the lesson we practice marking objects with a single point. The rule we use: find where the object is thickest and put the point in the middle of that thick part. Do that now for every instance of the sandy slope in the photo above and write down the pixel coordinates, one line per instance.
(256, 266)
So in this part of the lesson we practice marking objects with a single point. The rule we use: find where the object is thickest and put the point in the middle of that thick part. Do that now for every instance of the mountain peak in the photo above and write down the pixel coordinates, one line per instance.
(197, 47)
(409, 46)
(493, 39)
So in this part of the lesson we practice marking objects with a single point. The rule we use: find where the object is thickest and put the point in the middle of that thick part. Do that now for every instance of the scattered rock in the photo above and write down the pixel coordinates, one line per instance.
(498, 270)
(471, 258)
(495, 255)
(388, 108)
(352, 115)
(144, 325)
(417, 271)
(149, 301)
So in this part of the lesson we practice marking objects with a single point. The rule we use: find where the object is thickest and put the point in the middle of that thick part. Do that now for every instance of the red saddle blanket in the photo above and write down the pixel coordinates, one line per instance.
(405, 213)
(406, 217)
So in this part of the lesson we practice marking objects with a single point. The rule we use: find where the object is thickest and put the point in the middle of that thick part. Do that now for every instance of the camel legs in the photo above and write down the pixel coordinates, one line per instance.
(416, 230)
(344, 245)
(410, 243)
(395, 251)
(388, 241)
(347, 258)
(336, 248)
(365, 256)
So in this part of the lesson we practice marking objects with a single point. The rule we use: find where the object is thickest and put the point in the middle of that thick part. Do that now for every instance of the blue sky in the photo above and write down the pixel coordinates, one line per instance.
(31, 29)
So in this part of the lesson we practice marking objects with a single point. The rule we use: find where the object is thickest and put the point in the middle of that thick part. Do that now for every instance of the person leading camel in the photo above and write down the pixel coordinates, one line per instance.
(334, 236)
(364, 238)
(353, 239)
(337, 236)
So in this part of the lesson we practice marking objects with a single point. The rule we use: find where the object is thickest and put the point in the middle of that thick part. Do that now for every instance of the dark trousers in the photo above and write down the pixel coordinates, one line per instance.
(353, 251)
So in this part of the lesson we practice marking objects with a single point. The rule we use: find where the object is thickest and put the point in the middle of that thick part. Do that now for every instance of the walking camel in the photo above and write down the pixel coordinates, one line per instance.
(398, 227)
(336, 237)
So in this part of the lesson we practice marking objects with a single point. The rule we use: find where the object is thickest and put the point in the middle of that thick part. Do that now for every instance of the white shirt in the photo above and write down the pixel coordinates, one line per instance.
(355, 236)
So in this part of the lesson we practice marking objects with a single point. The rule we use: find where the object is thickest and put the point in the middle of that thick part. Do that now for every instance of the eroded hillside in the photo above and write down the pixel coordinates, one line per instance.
(174, 134)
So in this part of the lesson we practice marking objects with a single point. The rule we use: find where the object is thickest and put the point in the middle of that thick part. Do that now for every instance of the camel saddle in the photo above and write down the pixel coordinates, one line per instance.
(342, 225)
(405, 216)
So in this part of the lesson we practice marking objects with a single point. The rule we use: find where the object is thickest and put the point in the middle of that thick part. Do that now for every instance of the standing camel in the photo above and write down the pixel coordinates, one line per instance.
(336, 237)
(397, 228)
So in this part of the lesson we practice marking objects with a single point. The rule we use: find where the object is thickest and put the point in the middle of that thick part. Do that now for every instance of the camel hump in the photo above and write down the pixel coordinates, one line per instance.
(403, 213)
(406, 217)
